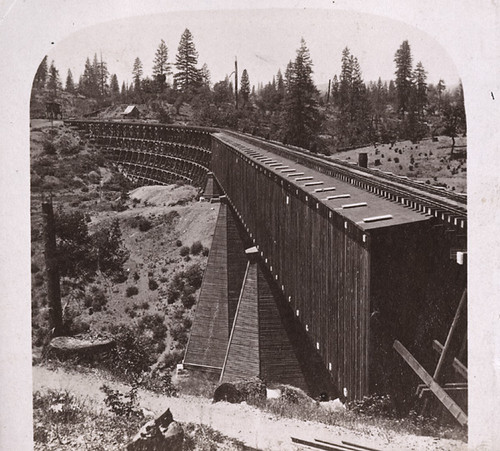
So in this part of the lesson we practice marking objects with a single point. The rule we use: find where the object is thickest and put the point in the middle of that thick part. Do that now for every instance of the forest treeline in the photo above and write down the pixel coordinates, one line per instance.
(289, 108)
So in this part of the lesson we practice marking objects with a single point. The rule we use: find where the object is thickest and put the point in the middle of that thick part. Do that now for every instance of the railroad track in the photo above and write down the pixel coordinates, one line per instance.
(449, 207)
(446, 205)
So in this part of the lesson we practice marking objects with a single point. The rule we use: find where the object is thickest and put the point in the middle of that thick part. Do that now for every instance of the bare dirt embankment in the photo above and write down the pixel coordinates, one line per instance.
(254, 427)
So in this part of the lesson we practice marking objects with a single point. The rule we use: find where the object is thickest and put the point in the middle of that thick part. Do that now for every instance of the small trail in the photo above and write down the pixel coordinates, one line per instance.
(256, 428)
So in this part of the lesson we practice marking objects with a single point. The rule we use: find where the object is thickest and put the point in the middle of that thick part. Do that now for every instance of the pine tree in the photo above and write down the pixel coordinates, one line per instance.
(102, 75)
(245, 87)
(353, 122)
(205, 76)
(54, 83)
(420, 77)
(334, 92)
(114, 87)
(70, 85)
(404, 77)
(161, 67)
(187, 77)
(97, 87)
(301, 118)
(440, 88)
(280, 88)
(90, 84)
(137, 74)
(41, 74)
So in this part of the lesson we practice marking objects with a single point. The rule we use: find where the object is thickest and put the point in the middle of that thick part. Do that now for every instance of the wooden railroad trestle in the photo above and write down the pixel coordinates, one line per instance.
(340, 279)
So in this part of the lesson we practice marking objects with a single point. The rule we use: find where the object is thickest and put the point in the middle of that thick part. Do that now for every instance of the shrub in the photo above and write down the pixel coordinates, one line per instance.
(153, 284)
(178, 243)
(196, 248)
(122, 404)
(144, 224)
(171, 359)
(155, 324)
(57, 406)
(134, 352)
(194, 275)
(96, 298)
(205, 252)
(184, 251)
(49, 148)
(170, 217)
(131, 291)
(374, 406)
(179, 333)
(79, 326)
(188, 300)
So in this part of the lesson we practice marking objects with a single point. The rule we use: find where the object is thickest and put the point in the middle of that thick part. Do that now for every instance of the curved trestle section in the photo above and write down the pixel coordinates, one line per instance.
(153, 153)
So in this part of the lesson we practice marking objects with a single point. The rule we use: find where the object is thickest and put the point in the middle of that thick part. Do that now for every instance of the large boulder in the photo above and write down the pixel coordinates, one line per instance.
(161, 434)
(249, 390)
(227, 392)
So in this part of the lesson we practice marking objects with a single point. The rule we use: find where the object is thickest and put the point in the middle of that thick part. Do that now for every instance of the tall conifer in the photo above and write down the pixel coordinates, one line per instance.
(187, 76)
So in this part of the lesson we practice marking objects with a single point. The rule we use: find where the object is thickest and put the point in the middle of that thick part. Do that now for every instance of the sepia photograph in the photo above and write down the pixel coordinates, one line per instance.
(240, 227)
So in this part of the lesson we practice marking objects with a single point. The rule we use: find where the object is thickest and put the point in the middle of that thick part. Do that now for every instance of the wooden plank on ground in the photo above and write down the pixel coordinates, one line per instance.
(348, 445)
(319, 445)
(445, 399)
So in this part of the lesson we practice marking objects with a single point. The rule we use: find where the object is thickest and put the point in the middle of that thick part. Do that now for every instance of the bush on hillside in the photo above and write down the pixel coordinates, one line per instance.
(132, 291)
(196, 248)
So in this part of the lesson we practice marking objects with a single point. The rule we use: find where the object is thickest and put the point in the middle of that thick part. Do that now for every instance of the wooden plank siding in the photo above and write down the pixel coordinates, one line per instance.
(210, 332)
(321, 266)
(219, 294)
(278, 359)
(243, 353)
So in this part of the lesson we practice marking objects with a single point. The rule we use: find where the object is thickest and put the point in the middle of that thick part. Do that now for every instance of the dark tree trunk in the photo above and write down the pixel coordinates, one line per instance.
(52, 271)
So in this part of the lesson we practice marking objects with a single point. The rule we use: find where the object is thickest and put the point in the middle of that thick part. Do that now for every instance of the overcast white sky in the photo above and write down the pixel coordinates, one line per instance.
(263, 41)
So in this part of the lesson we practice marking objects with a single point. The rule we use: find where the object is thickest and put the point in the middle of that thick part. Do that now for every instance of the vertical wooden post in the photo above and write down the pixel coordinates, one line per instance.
(52, 271)
(236, 81)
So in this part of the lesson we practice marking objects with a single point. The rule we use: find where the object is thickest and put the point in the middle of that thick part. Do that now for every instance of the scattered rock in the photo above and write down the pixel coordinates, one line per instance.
(161, 434)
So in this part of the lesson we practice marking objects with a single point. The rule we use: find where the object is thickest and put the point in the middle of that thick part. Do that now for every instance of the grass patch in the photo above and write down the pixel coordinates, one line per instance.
(62, 421)
(201, 437)
(370, 412)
